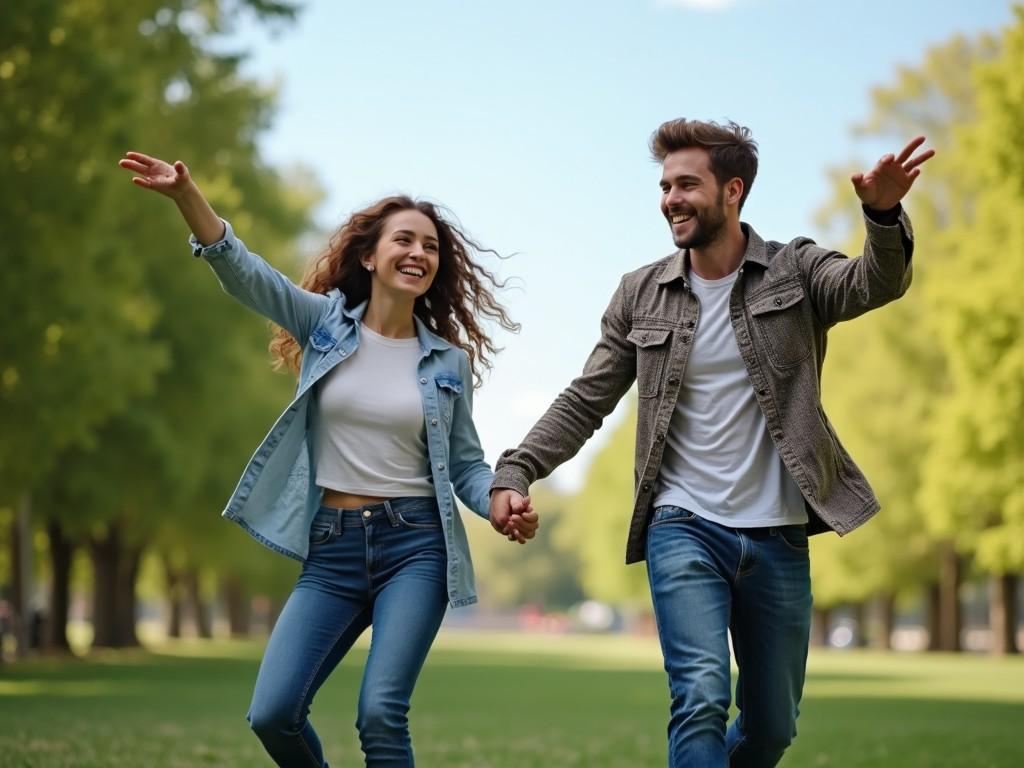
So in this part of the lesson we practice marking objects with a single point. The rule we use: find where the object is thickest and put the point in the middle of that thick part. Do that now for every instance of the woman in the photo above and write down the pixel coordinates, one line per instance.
(355, 478)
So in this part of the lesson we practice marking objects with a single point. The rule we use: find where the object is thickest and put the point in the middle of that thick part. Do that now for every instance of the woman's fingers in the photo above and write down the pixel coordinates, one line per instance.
(141, 158)
(132, 165)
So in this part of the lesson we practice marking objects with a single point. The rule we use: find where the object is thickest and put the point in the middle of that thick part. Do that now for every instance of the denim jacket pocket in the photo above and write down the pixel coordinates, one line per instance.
(781, 322)
(321, 340)
(449, 387)
(651, 351)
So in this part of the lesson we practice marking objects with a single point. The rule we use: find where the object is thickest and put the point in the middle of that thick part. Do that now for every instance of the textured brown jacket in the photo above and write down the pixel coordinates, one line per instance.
(781, 307)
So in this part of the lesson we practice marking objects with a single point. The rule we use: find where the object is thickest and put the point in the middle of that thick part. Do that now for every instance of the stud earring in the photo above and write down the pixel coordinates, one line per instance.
(369, 267)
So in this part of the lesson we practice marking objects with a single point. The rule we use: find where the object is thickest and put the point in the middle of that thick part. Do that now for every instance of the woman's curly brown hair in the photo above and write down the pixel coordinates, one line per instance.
(460, 293)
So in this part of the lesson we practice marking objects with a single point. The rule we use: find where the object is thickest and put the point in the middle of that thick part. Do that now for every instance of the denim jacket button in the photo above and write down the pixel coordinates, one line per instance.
(433, 422)
(673, 381)
(440, 466)
(423, 381)
(647, 486)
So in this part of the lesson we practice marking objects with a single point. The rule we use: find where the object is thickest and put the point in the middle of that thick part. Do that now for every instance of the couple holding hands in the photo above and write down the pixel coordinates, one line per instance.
(736, 461)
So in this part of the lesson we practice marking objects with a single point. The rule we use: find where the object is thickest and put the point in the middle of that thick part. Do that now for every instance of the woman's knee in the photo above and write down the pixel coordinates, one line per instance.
(271, 719)
(382, 715)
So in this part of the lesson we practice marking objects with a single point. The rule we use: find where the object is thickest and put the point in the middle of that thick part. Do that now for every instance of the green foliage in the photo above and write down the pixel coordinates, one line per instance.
(597, 522)
(544, 572)
(974, 480)
(136, 390)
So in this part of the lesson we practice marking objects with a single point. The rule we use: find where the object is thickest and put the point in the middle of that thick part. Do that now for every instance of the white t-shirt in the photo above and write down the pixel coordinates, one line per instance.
(370, 437)
(720, 462)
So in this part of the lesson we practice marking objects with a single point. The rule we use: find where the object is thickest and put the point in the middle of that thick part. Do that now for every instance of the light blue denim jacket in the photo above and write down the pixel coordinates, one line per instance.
(277, 496)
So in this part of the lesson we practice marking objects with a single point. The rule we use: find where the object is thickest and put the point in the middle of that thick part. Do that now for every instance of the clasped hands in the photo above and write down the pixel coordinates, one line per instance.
(512, 515)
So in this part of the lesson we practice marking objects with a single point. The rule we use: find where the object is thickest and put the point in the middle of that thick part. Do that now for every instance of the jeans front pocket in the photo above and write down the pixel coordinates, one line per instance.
(320, 531)
(669, 513)
(793, 536)
(419, 519)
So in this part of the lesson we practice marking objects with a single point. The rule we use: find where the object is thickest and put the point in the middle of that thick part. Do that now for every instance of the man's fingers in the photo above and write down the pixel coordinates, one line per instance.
(916, 161)
(909, 149)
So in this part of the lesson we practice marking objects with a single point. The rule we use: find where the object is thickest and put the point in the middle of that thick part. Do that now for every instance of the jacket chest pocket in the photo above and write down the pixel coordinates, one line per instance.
(781, 323)
(651, 351)
(449, 387)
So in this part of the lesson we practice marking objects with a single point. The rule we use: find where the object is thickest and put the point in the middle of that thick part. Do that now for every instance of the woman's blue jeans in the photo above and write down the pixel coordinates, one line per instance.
(708, 580)
(383, 564)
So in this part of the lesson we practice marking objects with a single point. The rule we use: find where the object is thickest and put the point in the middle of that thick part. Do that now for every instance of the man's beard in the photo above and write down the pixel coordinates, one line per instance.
(710, 223)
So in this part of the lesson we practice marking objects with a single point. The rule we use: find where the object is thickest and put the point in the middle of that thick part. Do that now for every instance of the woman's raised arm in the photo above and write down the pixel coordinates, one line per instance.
(174, 181)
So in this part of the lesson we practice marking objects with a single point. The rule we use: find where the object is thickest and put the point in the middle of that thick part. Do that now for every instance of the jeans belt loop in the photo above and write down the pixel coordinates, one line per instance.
(339, 522)
(392, 517)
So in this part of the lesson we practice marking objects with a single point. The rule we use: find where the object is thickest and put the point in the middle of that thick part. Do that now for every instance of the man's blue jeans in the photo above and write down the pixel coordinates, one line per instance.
(754, 583)
(384, 565)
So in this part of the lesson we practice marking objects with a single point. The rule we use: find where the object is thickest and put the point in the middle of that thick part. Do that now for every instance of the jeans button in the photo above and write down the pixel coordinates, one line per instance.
(367, 513)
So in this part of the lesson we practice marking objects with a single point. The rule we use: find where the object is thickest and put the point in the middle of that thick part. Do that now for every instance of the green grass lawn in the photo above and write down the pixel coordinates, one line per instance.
(505, 701)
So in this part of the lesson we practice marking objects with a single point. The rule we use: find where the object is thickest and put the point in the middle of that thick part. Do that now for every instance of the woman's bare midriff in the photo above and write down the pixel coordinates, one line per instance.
(342, 500)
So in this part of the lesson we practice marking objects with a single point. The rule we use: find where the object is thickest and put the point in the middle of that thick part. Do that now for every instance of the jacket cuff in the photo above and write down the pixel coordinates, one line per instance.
(226, 243)
(511, 478)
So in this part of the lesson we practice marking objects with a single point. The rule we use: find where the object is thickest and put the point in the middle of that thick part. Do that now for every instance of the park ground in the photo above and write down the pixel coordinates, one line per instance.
(492, 700)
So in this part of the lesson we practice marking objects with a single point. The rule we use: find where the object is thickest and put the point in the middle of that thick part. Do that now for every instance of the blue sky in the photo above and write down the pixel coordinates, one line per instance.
(530, 121)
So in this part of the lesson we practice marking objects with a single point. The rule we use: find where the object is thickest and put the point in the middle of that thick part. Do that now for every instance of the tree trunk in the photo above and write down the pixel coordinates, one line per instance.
(821, 619)
(115, 568)
(1002, 612)
(238, 605)
(21, 575)
(201, 610)
(885, 607)
(860, 618)
(127, 575)
(950, 620)
(175, 597)
(932, 611)
(61, 552)
(104, 553)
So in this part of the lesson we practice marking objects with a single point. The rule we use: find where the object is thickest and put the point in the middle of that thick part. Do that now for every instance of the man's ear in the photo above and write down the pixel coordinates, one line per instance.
(734, 191)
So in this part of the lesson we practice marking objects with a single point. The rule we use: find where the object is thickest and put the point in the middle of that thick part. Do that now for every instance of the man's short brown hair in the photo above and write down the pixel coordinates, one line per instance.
(732, 152)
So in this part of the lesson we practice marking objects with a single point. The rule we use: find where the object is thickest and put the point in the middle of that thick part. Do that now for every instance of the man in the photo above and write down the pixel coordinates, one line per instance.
(736, 461)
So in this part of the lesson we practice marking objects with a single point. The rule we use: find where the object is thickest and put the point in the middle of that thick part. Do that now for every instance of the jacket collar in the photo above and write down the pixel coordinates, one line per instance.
(429, 341)
(678, 266)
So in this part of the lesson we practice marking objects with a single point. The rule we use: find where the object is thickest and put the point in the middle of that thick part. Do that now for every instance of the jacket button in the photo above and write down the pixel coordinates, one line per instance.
(644, 337)
(685, 339)
(439, 466)
(778, 302)
(422, 381)
(433, 422)
(673, 381)
(762, 392)
(659, 437)
(690, 324)
(647, 486)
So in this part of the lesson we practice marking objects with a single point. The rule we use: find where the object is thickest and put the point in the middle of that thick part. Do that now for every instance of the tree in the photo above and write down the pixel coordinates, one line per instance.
(974, 475)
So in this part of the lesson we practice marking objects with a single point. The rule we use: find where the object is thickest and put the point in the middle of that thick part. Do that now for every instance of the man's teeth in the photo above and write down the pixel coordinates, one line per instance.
(680, 218)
